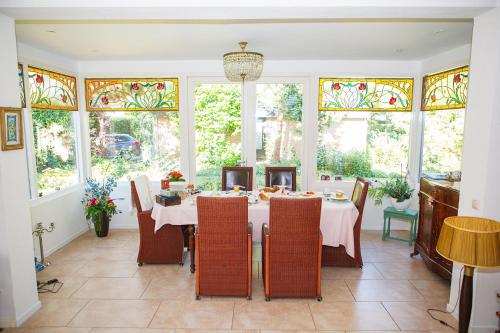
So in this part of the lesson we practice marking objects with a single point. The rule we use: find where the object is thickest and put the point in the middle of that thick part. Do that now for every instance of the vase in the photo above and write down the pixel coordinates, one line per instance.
(101, 225)
(403, 205)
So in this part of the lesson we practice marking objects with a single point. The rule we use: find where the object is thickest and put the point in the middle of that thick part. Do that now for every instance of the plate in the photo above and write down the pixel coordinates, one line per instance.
(339, 199)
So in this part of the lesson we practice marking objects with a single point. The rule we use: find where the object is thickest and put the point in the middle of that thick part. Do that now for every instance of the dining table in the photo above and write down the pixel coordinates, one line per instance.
(338, 218)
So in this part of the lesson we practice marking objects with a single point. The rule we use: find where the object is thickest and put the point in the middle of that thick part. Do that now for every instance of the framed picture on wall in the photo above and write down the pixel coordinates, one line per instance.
(11, 128)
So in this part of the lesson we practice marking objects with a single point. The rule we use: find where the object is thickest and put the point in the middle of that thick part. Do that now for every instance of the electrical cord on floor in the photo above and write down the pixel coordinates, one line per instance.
(429, 311)
(51, 286)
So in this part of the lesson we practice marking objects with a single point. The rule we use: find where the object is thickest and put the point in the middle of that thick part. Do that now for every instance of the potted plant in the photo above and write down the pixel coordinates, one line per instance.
(177, 182)
(396, 188)
(98, 205)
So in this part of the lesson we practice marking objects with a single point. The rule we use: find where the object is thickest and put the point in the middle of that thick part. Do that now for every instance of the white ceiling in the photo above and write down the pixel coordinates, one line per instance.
(380, 40)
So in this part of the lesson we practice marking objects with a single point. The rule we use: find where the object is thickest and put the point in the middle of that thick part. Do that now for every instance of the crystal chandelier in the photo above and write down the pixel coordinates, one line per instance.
(243, 65)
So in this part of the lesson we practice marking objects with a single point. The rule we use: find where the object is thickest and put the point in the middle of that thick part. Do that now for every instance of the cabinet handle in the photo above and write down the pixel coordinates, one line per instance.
(431, 198)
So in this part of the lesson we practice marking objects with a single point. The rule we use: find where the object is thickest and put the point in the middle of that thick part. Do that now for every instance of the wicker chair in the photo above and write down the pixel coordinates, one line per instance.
(232, 176)
(286, 176)
(291, 249)
(223, 246)
(337, 256)
(166, 246)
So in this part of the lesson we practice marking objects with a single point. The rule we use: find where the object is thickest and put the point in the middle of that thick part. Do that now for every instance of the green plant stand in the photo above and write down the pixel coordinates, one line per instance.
(409, 215)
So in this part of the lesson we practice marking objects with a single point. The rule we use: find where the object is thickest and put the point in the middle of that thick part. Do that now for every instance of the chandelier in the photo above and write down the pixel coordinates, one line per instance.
(243, 65)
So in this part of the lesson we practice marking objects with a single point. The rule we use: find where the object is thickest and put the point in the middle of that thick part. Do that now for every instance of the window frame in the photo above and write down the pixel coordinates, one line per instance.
(30, 142)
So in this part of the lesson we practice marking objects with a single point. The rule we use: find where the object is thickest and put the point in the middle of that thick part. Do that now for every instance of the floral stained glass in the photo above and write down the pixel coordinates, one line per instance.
(445, 90)
(51, 90)
(20, 75)
(359, 94)
(132, 94)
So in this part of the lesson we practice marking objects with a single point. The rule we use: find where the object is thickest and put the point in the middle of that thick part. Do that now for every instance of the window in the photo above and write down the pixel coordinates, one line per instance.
(53, 97)
(132, 94)
(443, 141)
(217, 118)
(367, 144)
(358, 139)
(20, 77)
(278, 127)
(126, 144)
(134, 127)
(444, 98)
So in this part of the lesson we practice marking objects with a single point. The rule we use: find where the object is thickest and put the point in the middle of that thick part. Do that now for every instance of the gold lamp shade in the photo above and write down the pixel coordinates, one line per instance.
(471, 241)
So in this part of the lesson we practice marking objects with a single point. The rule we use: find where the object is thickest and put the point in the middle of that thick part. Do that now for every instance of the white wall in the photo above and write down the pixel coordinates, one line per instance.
(18, 294)
(481, 160)
(63, 208)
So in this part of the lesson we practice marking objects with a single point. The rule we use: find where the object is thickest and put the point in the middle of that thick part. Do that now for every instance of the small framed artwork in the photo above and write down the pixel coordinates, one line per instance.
(11, 128)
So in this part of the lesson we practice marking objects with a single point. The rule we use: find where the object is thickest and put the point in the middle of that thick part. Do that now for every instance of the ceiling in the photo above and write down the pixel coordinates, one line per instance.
(277, 40)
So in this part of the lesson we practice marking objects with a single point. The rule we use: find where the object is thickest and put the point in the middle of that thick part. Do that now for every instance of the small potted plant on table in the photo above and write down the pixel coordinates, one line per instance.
(176, 180)
(397, 189)
(98, 205)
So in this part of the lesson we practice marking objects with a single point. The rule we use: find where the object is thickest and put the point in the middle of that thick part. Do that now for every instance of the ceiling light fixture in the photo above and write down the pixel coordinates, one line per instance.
(243, 65)
(51, 31)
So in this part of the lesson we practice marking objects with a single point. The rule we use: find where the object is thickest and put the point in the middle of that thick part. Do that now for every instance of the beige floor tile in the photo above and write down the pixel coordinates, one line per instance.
(335, 291)
(385, 255)
(97, 268)
(386, 331)
(293, 331)
(181, 330)
(178, 287)
(410, 269)
(194, 314)
(413, 316)
(383, 290)
(353, 273)
(116, 313)
(55, 312)
(433, 290)
(47, 330)
(351, 316)
(132, 330)
(159, 271)
(61, 268)
(113, 288)
(70, 285)
(289, 315)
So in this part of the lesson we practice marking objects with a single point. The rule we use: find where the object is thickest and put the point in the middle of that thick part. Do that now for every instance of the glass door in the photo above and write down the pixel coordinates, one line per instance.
(217, 124)
(278, 127)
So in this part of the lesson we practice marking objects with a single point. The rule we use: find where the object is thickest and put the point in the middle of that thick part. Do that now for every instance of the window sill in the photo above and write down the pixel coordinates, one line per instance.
(56, 195)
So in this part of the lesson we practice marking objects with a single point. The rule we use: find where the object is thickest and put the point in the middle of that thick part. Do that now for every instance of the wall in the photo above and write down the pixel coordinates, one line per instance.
(18, 294)
(63, 208)
(480, 188)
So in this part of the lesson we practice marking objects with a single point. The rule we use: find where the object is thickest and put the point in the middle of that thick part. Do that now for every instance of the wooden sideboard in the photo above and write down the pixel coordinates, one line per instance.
(437, 201)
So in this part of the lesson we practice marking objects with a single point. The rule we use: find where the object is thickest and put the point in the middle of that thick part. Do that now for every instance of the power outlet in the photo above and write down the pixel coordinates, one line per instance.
(475, 204)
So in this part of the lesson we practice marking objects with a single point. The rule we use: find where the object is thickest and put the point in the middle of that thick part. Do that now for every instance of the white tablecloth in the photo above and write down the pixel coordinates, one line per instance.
(337, 220)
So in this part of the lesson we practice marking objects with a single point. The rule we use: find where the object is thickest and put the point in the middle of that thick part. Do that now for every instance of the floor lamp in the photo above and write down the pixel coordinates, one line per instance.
(472, 242)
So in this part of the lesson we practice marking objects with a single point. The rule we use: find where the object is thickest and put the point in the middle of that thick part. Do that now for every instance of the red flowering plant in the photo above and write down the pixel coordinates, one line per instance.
(98, 205)
(176, 176)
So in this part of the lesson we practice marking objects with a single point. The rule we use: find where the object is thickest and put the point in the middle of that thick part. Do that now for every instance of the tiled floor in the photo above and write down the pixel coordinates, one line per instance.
(106, 292)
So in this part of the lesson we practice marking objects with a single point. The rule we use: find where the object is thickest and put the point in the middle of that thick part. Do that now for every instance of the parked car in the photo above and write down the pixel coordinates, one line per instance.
(121, 145)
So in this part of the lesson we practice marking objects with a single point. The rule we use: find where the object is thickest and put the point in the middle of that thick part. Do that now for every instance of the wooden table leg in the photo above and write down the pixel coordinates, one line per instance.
(191, 247)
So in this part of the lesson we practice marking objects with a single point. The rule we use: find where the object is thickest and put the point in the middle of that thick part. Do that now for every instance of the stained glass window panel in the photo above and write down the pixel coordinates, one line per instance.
(20, 75)
(51, 90)
(356, 94)
(132, 94)
(445, 90)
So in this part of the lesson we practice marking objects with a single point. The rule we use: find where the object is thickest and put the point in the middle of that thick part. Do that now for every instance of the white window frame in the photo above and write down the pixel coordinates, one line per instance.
(30, 142)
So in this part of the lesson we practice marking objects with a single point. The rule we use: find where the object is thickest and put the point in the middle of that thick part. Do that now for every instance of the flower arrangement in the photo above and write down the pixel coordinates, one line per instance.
(176, 176)
(98, 205)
